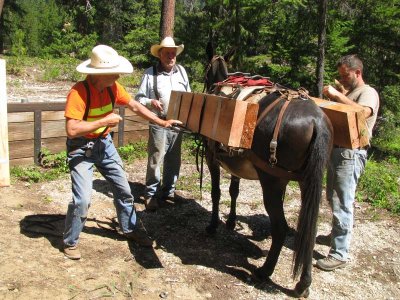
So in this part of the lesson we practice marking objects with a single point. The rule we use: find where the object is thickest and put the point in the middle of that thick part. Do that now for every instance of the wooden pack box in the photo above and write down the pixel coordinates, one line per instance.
(349, 126)
(229, 121)
(224, 120)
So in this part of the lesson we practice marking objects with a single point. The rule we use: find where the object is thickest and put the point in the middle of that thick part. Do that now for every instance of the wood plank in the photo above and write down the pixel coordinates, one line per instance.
(174, 105)
(53, 115)
(194, 120)
(54, 145)
(186, 105)
(53, 129)
(32, 106)
(21, 149)
(210, 119)
(249, 126)
(4, 149)
(20, 131)
(20, 117)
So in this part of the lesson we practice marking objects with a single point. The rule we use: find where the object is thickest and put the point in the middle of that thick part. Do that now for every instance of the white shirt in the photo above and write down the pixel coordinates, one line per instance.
(176, 80)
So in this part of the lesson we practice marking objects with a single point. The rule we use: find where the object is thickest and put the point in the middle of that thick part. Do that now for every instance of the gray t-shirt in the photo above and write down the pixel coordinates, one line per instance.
(366, 96)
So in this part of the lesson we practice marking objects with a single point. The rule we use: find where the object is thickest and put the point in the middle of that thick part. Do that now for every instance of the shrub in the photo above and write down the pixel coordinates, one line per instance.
(381, 188)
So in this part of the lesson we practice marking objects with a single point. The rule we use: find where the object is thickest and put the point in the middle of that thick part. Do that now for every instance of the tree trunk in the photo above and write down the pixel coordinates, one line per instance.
(167, 18)
(322, 9)
(1, 6)
(1, 27)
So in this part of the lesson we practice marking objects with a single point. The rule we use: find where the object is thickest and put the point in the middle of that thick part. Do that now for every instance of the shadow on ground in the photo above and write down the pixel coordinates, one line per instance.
(178, 227)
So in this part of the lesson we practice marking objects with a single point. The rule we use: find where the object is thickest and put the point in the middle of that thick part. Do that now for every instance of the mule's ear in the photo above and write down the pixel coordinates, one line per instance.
(210, 50)
(229, 54)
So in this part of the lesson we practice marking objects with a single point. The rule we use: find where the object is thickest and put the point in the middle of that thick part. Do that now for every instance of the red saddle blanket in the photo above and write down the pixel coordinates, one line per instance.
(244, 80)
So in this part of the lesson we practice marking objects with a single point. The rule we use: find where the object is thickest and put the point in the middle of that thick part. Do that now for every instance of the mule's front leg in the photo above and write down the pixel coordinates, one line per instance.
(234, 193)
(215, 193)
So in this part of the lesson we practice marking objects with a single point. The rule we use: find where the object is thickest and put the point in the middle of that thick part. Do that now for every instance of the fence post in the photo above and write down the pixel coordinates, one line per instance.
(37, 135)
(4, 153)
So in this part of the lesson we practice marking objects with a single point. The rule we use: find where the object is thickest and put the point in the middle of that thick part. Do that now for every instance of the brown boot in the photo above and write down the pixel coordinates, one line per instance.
(140, 237)
(72, 252)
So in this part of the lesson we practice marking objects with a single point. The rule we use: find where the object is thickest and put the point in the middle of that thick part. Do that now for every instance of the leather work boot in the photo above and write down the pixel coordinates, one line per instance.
(72, 252)
(151, 203)
(330, 263)
(139, 237)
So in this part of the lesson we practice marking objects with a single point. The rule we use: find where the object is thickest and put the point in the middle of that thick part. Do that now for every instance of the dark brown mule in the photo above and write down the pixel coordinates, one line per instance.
(303, 148)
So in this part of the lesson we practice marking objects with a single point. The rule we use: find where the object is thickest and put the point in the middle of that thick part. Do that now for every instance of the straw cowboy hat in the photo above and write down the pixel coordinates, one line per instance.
(105, 60)
(167, 42)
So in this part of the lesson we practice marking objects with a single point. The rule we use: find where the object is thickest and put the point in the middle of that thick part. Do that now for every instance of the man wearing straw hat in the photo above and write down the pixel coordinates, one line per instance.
(89, 119)
(164, 144)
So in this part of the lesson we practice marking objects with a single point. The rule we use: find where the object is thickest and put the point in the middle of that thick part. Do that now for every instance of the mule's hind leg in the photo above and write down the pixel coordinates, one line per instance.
(273, 194)
(234, 193)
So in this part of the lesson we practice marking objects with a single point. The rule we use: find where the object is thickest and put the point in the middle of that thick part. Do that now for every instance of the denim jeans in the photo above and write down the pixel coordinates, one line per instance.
(107, 161)
(164, 147)
(344, 170)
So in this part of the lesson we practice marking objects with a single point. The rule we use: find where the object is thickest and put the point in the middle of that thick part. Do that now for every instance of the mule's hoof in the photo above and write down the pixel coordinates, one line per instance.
(260, 275)
(230, 225)
(299, 293)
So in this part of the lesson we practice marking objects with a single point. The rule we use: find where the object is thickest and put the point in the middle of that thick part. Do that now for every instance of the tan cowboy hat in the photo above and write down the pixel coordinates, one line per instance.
(105, 60)
(167, 42)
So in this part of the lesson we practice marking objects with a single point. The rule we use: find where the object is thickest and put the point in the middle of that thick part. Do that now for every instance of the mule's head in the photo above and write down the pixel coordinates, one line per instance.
(216, 71)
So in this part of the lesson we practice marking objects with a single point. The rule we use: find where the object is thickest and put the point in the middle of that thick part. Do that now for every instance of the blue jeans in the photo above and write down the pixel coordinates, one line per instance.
(344, 170)
(107, 161)
(164, 147)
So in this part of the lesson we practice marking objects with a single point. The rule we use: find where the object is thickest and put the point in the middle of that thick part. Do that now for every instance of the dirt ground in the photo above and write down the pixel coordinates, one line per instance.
(185, 263)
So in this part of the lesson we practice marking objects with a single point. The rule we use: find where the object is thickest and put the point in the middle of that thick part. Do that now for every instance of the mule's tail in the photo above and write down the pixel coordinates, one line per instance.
(311, 193)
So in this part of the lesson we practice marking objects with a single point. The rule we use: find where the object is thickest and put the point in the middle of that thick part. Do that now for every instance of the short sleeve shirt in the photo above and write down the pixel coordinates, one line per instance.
(367, 96)
(100, 103)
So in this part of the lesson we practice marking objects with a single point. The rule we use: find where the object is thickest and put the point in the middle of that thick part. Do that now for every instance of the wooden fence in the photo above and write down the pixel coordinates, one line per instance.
(34, 126)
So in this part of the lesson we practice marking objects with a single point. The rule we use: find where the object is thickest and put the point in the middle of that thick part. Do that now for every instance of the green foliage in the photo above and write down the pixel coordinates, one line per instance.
(37, 174)
(387, 135)
(54, 160)
(53, 166)
(133, 151)
(382, 189)
(143, 32)
(18, 48)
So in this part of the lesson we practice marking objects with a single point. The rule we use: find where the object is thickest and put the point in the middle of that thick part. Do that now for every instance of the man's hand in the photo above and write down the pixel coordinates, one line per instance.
(330, 92)
(170, 123)
(157, 105)
(340, 87)
(111, 120)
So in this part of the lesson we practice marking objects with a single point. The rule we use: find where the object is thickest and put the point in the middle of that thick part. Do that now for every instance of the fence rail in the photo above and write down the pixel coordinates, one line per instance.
(37, 125)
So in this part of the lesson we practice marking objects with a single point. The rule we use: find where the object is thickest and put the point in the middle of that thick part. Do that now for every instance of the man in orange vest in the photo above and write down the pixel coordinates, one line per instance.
(89, 119)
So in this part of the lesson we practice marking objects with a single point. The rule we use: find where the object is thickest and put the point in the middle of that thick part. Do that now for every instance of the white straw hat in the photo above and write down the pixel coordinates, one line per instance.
(167, 42)
(105, 60)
